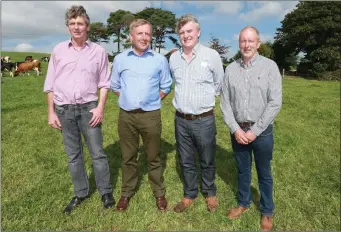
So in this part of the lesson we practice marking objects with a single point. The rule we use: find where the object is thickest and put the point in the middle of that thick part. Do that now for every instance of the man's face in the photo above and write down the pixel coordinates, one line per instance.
(248, 43)
(189, 35)
(141, 37)
(78, 28)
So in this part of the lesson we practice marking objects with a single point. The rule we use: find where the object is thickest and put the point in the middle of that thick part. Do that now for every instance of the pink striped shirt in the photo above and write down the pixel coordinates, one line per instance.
(75, 76)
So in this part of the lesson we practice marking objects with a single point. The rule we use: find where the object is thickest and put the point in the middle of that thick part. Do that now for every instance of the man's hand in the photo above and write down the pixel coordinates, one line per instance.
(162, 95)
(250, 136)
(240, 137)
(97, 116)
(53, 121)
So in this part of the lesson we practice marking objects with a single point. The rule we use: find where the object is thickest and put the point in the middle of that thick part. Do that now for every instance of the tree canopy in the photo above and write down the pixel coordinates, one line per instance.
(222, 49)
(313, 28)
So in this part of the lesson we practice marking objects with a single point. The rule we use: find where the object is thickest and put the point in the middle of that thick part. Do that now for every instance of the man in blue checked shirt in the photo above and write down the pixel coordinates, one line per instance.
(141, 78)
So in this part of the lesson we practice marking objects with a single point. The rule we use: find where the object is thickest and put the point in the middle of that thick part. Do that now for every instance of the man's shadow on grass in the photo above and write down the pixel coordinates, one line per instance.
(114, 154)
(226, 169)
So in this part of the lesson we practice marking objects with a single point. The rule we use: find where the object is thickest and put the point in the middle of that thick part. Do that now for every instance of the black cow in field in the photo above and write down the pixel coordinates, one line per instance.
(45, 58)
(8, 67)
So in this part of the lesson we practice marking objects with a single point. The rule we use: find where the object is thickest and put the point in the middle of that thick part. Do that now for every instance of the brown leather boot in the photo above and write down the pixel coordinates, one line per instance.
(236, 212)
(161, 203)
(266, 223)
(211, 203)
(122, 204)
(182, 205)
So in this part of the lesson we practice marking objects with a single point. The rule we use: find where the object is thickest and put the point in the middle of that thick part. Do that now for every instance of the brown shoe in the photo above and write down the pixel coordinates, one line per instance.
(212, 203)
(236, 212)
(266, 223)
(161, 203)
(182, 205)
(122, 204)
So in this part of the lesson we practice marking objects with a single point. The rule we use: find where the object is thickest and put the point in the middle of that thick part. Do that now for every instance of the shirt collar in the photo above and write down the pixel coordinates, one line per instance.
(131, 51)
(252, 62)
(195, 50)
(87, 43)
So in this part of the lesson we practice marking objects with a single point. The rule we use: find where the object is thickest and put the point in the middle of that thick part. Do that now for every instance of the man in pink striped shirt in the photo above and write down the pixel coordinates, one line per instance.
(77, 69)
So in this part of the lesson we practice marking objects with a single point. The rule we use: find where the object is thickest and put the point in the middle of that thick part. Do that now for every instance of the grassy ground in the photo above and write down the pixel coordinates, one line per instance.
(36, 186)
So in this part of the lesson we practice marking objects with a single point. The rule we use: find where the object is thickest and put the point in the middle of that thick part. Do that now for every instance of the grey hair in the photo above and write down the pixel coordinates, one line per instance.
(252, 28)
(186, 18)
(138, 22)
(74, 12)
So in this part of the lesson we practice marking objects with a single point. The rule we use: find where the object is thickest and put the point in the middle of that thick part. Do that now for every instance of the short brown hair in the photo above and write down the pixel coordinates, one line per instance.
(138, 22)
(184, 20)
(250, 27)
(74, 12)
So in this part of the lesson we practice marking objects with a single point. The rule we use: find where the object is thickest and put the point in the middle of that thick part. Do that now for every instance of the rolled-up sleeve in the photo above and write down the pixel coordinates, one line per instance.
(115, 77)
(50, 75)
(274, 101)
(104, 73)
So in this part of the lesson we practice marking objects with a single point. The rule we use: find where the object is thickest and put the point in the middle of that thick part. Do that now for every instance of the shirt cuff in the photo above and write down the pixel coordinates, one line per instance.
(256, 130)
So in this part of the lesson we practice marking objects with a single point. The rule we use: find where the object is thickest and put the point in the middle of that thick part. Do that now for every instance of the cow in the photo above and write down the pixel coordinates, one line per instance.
(8, 67)
(27, 66)
(45, 58)
(6, 59)
(28, 59)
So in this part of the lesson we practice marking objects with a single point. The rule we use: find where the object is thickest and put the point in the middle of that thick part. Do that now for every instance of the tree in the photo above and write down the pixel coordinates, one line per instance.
(265, 49)
(314, 29)
(118, 22)
(222, 49)
(163, 22)
(98, 33)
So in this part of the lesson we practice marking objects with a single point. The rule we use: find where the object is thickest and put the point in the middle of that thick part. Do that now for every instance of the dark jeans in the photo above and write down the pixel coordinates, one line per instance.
(75, 121)
(148, 125)
(192, 137)
(262, 148)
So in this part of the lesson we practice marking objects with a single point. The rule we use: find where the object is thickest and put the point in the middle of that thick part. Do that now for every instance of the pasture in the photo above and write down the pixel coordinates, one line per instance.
(36, 186)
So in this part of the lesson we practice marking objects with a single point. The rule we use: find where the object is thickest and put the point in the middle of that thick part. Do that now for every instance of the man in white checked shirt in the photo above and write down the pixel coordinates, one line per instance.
(197, 71)
(251, 98)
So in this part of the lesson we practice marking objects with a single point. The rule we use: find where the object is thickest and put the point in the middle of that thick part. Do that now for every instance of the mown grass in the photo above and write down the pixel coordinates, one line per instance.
(36, 186)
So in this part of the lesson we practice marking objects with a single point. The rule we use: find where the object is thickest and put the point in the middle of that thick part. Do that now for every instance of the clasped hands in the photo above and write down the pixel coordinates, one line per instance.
(243, 137)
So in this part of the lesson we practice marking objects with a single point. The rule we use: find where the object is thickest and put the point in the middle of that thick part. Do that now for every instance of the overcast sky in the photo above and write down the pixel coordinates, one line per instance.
(38, 26)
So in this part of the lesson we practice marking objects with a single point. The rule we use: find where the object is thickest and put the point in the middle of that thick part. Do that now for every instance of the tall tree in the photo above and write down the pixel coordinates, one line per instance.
(98, 33)
(265, 49)
(118, 22)
(222, 49)
(163, 22)
(314, 29)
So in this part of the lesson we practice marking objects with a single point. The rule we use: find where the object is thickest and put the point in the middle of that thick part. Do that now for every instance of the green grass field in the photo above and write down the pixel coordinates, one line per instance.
(36, 185)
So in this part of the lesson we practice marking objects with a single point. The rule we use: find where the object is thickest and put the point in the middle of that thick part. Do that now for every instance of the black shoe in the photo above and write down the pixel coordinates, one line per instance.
(108, 200)
(73, 203)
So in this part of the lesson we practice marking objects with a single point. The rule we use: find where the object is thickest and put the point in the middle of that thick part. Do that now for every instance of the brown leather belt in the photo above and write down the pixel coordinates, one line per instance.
(136, 111)
(194, 116)
(245, 124)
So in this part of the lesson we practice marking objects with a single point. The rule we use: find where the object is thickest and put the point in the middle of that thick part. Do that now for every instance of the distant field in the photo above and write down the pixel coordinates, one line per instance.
(36, 185)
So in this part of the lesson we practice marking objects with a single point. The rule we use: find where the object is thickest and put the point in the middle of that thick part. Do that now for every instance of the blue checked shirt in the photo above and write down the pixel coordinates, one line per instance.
(139, 79)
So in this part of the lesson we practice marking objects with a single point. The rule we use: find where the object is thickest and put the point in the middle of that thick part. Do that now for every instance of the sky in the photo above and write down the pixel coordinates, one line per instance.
(37, 26)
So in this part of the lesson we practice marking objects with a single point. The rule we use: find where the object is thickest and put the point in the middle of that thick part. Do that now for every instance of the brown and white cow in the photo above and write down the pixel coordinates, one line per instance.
(27, 66)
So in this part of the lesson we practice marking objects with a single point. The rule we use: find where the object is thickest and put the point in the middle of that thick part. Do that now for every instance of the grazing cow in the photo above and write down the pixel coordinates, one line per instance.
(45, 58)
(28, 59)
(8, 67)
(27, 66)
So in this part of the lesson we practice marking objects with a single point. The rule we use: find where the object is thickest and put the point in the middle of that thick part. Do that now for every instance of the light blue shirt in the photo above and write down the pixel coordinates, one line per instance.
(139, 79)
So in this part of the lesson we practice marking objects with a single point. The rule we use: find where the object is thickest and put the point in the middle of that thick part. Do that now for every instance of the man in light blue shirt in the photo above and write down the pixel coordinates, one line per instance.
(141, 78)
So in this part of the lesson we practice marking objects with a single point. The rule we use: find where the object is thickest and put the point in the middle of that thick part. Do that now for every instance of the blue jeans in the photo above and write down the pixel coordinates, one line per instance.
(262, 148)
(75, 121)
(192, 137)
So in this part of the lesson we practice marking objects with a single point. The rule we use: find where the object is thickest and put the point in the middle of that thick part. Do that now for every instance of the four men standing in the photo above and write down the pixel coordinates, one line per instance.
(251, 98)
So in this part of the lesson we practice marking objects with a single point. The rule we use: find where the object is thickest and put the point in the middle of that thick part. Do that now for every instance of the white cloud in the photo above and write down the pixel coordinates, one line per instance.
(266, 37)
(235, 37)
(23, 47)
(260, 10)
(47, 17)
